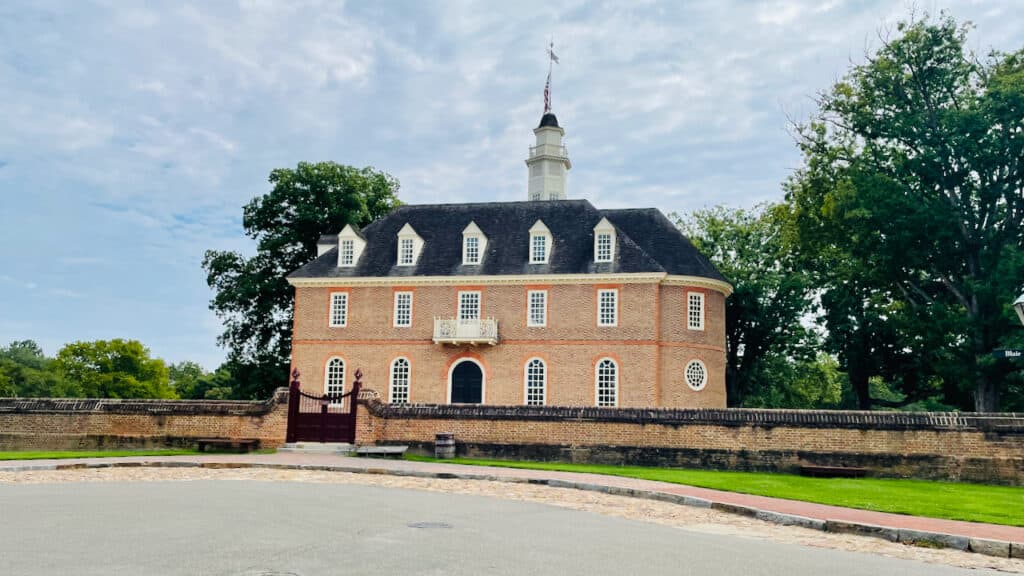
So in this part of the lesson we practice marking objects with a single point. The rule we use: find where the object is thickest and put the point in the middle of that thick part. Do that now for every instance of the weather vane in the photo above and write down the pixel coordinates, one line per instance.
(552, 59)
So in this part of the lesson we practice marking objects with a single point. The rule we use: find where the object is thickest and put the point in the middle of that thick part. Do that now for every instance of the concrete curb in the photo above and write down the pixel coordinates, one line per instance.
(997, 548)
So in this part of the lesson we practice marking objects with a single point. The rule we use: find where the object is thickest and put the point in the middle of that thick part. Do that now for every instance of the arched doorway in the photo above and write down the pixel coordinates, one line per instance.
(466, 382)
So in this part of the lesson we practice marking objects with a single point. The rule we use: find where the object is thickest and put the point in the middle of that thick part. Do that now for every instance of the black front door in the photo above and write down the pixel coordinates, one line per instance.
(467, 383)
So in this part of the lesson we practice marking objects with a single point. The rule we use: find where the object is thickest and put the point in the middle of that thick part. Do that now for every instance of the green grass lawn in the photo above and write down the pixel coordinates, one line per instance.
(954, 501)
(28, 455)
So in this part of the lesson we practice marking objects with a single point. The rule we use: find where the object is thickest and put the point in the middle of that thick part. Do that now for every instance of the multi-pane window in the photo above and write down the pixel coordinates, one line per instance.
(607, 307)
(607, 383)
(405, 251)
(604, 248)
(334, 381)
(695, 311)
(471, 250)
(339, 309)
(469, 306)
(348, 252)
(537, 314)
(400, 381)
(696, 375)
(538, 249)
(536, 380)
(403, 309)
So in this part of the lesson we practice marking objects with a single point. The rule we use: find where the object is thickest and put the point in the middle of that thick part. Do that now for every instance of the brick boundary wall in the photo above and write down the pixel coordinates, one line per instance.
(942, 446)
(91, 423)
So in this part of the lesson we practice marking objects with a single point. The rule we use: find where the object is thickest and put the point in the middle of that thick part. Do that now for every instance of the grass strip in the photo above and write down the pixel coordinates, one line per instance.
(948, 500)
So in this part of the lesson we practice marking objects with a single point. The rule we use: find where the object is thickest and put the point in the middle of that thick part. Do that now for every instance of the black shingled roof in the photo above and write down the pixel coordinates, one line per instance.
(646, 241)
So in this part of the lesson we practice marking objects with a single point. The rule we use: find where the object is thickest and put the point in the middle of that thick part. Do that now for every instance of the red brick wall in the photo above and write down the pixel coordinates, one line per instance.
(651, 343)
(66, 424)
(973, 448)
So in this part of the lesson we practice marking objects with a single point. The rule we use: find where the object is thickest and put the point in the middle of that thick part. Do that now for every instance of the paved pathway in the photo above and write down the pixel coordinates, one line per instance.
(252, 528)
(806, 509)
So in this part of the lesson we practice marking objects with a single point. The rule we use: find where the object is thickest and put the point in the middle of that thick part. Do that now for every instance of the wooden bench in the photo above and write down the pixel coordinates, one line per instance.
(382, 451)
(832, 472)
(238, 444)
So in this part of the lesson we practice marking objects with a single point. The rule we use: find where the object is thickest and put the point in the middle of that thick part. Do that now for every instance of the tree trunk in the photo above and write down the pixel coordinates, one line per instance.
(986, 394)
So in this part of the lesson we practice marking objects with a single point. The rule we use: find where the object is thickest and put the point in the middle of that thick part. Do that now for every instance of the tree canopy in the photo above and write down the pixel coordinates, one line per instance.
(113, 369)
(252, 298)
(910, 203)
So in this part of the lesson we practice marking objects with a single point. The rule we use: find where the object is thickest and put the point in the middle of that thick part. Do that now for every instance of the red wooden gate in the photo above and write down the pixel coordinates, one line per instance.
(327, 418)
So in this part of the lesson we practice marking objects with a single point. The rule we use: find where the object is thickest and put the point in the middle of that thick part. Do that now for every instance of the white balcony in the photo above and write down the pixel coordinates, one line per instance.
(473, 332)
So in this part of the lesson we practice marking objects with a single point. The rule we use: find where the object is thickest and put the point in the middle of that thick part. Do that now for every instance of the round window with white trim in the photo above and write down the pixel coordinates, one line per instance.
(696, 375)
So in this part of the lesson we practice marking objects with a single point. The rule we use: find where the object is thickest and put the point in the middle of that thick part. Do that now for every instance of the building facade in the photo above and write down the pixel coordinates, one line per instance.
(544, 302)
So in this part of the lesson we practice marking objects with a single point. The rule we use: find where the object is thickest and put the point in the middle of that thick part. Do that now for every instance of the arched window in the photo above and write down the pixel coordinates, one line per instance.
(399, 381)
(696, 375)
(536, 382)
(607, 376)
(334, 382)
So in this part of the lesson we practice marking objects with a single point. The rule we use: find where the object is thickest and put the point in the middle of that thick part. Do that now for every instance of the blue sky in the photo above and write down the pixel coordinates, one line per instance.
(131, 133)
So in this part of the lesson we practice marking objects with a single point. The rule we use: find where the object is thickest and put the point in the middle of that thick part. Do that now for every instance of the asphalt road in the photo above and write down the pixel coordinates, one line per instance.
(262, 528)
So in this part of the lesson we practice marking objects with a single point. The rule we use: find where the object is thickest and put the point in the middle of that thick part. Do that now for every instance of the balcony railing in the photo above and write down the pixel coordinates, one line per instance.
(549, 150)
(455, 331)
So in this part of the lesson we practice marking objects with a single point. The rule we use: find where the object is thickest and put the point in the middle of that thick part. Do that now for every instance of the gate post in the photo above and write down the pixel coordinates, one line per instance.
(293, 406)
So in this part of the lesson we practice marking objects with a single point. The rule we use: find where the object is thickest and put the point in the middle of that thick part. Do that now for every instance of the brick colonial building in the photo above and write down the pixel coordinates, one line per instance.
(544, 302)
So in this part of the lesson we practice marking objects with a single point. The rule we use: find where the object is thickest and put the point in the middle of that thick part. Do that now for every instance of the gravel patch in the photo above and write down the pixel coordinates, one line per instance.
(706, 520)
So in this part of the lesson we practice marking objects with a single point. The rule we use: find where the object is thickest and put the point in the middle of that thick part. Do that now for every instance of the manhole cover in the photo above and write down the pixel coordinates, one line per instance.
(429, 525)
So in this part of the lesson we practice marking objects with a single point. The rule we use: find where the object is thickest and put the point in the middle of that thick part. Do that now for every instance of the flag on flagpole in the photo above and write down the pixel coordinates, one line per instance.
(547, 94)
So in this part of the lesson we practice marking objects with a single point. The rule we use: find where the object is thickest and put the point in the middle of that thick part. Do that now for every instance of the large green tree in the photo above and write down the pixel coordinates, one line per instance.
(771, 295)
(113, 369)
(912, 193)
(252, 296)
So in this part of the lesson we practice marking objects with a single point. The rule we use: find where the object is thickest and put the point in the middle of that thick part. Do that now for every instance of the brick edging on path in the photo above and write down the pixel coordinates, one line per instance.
(990, 547)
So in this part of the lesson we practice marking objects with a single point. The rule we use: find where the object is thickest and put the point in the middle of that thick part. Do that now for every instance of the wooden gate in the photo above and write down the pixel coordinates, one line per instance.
(327, 418)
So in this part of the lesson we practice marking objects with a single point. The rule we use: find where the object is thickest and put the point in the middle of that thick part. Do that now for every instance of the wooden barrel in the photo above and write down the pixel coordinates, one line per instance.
(444, 445)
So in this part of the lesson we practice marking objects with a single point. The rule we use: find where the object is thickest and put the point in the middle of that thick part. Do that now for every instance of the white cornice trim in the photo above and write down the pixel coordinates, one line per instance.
(699, 282)
(634, 278)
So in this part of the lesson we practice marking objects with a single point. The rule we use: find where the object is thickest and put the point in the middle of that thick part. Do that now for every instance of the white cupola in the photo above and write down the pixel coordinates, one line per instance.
(548, 162)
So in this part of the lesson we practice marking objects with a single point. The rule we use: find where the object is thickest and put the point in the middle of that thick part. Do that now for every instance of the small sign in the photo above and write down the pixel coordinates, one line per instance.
(1008, 353)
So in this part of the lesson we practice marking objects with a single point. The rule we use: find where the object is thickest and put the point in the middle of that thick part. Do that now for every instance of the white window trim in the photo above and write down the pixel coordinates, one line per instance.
(327, 372)
(408, 233)
(597, 381)
(479, 303)
(330, 314)
(540, 230)
(391, 381)
(689, 321)
(394, 313)
(604, 227)
(348, 233)
(615, 310)
(529, 308)
(473, 231)
(704, 371)
(526, 382)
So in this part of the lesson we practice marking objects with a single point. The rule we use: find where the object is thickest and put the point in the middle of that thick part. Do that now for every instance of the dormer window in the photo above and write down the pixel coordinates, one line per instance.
(350, 246)
(348, 251)
(539, 249)
(409, 246)
(604, 241)
(473, 245)
(405, 252)
(540, 243)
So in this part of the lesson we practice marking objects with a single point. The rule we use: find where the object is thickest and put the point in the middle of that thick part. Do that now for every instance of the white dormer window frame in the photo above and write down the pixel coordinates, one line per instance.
(604, 242)
(474, 244)
(410, 244)
(540, 243)
(350, 247)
